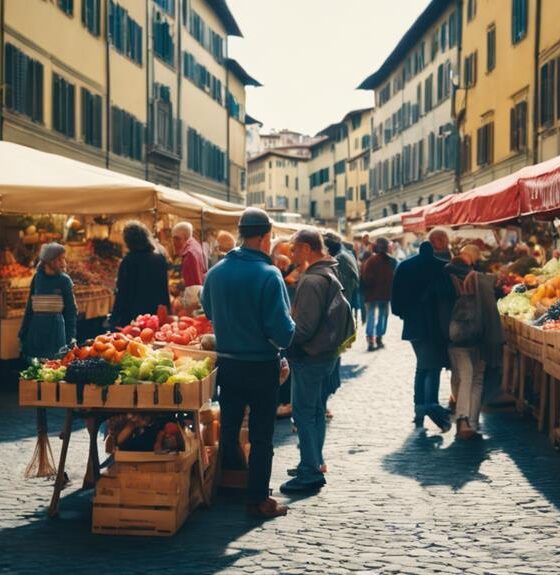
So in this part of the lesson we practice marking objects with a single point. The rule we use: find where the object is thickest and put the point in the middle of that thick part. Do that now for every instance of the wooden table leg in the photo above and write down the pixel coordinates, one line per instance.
(552, 412)
(507, 369)
(544, 397)
(60, 479)
(521, 389)
(92, 473)
(200, 474)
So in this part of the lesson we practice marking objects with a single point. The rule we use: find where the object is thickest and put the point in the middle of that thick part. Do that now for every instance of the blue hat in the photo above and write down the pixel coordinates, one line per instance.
(50, 252)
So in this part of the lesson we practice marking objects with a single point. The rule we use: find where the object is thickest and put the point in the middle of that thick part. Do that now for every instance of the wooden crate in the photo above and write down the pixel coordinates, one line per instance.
(120, 396)
(150, 462)
(552, 345)
(92, 396)
(67, 394)
(145, 395)
(28, 392)
(535, 334)
(530, 348)
(48, 394)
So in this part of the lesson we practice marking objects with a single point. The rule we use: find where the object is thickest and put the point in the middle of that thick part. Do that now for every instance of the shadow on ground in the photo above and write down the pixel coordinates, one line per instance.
(205, 545)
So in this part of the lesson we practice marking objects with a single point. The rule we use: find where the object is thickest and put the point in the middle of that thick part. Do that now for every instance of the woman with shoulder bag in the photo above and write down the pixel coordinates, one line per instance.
(472, 326)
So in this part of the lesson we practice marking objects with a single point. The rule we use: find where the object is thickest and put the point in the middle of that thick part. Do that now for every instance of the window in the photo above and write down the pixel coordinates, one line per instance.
(443, 37)
(431, 152)
(485, 145)
(67, 6)
(200, 76)
(287, 182)
(204, 157)
(125, 34)
(91, 16)
(491, 49)
(164, 47)
(471, 10)
(466, 163)
(470, 70)
(366, 139)
(443, 81)
(23, 84)
(547, 93)
(363, 192)
(453, 30)
(296, 183)
(340, 167)
(519, 20)
(429, 93)
(518, 127)
(206, 37)
(235, 109)
(439, 154)
(167, 5)
(127, 134)
(319, 178)
(385, 94)
(63, 107)
(350, 194)
(356, 121)
(91, 118)
(434, 45)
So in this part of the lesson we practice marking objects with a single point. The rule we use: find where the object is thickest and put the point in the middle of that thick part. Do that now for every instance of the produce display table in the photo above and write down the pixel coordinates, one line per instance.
(95, 404)
(531, 372)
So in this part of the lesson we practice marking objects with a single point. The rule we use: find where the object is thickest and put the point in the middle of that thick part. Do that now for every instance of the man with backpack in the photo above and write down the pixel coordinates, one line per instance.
(324, 327)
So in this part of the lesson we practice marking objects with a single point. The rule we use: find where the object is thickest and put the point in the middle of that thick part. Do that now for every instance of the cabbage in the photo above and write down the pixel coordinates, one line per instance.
(516, 304)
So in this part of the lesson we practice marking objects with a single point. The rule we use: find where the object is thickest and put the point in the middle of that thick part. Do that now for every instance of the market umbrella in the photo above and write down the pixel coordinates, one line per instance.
(539, 189)
(52, 184)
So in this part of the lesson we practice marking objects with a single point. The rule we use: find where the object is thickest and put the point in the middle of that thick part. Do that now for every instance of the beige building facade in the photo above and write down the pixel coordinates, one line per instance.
(414, 143)
(141, 87)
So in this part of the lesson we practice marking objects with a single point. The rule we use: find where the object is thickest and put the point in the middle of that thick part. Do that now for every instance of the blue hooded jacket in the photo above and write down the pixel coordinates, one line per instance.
(245, 297)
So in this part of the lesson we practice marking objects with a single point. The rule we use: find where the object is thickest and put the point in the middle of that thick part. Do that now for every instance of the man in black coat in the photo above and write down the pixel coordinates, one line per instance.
(414, 301)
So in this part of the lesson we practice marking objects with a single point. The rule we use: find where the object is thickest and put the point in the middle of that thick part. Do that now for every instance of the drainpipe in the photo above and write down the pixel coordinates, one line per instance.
(107, 87)
(149, 53)
(177, 129)
(459, 12)
(535, 155)
(228, 178)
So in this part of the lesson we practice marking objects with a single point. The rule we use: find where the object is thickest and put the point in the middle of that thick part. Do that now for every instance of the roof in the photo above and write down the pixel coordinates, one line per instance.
(434, 10)
(353, 113)
(223, 12)
(263, 155)
(249, 120)
(318, 142)
(237, 70)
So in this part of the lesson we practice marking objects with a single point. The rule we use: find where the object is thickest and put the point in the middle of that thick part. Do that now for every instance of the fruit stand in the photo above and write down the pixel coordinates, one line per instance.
(142, 493)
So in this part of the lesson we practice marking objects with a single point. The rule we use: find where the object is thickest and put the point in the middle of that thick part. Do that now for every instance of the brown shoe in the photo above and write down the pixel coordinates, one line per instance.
(465, 431)
(268, 509)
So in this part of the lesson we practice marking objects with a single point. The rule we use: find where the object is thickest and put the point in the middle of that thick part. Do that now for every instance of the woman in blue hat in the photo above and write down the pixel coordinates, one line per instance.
(51, 314)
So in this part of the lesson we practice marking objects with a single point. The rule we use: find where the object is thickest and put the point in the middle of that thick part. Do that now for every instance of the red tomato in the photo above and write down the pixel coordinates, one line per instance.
(160, 336)
(147, 335)
(180, 339)
(135, 332)
(182, 326)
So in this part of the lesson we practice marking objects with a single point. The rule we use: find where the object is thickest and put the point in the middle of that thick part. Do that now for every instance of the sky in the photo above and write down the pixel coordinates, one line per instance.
(310, 55)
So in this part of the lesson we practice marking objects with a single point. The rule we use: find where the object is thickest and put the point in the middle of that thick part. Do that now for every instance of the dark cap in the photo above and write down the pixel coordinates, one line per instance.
(254, 222)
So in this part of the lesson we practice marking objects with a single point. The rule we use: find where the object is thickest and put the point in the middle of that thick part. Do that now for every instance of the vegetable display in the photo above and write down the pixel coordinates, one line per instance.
(93, 370)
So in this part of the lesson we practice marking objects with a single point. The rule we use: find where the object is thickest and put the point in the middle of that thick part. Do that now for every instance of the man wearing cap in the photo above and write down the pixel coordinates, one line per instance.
(245, 297)
(51, 314)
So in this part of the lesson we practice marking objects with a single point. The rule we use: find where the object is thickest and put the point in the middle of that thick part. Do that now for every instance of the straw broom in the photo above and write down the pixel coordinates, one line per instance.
(42, 463)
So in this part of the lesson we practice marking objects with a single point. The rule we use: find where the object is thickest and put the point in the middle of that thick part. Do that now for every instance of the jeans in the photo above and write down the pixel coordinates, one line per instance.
(377, 310)
(468, 369)
(253, 384)
(308, 405)
(426, 388)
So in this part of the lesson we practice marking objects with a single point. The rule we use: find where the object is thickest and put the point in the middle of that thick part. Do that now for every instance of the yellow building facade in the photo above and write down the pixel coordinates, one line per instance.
(495, 99)
(140, 87)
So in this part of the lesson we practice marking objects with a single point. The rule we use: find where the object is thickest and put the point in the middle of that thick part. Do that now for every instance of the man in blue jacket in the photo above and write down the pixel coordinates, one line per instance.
(246, 298)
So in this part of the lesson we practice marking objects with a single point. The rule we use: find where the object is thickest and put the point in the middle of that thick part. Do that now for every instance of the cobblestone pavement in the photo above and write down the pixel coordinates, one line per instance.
(397, 500)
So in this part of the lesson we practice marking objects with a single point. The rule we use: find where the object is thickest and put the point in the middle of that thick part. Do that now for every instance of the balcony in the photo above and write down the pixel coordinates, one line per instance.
(164, 131)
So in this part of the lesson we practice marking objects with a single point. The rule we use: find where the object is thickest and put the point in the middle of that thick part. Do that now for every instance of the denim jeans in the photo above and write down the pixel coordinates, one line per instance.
(253, 384)
(308, 405)
(377, 316)
(426, 388)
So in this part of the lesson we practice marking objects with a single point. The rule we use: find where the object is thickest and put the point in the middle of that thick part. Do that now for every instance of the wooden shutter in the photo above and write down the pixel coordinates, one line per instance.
(513, 137)
(56, 103)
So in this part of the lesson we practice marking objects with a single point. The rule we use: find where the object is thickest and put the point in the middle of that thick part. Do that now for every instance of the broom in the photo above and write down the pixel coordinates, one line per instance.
(42, 463)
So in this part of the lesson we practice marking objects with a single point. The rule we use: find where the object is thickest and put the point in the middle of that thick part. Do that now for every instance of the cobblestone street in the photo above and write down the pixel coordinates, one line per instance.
(397, 500)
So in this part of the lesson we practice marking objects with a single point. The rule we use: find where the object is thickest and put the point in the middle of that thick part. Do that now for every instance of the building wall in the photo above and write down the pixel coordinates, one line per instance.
(549, 131)
(390, 193)
(496, 92)
(358, 145)
(63, 45)
(322, 196)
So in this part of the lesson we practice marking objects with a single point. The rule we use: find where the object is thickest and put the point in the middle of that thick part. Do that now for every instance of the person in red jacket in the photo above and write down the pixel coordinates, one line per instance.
(193, 265)
(377, 281)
